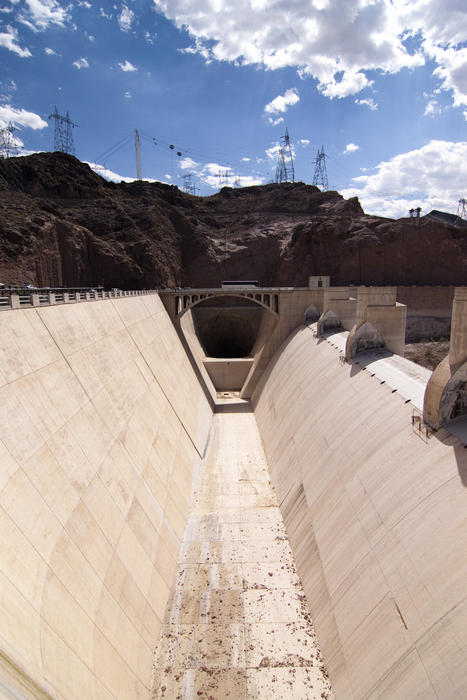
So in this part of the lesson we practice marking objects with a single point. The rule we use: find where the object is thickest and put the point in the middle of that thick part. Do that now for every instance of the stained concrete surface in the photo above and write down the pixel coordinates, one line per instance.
(237, 624)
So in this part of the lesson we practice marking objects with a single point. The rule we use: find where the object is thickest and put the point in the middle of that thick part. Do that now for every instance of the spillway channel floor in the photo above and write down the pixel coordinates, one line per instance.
(237, 623)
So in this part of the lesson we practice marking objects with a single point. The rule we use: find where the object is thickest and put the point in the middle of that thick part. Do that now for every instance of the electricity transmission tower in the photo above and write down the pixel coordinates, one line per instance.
(462, 208)
(8, 145)
(63, 134)
(285, 171)
(139, 172)
(224, 178)
(320, 176)
(188, 185)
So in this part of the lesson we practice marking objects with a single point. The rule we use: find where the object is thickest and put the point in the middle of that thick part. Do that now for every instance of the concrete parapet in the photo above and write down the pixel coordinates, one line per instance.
(339, 309)
(380, 321)
(446, 393)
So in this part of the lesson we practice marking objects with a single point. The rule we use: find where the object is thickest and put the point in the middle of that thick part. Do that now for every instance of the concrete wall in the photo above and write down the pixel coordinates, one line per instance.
(376, 517)
(102, 422)
(428, 310)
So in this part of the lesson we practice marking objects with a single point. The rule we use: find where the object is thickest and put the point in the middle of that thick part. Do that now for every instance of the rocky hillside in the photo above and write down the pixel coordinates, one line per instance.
(61, 224)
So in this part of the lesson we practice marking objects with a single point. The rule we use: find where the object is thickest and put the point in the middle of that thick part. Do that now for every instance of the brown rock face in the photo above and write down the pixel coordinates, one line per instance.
(61, 224)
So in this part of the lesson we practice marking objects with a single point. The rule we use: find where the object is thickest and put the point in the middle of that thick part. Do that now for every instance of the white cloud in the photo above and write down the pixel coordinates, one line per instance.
(430, 177)
(368, 102)
(81, 63)
(281, 103)
(334, 41)
(150, 38)
(126, 18)
(188, 164)
(245, 160)
(20, 117)
(9, 40)
(41, 14)
(127, 67)
(50, 52)
(127, 95)
(351, 148)
(432, 107)
(304, 142)
(273, 152)
(108, 174)
(275, 122)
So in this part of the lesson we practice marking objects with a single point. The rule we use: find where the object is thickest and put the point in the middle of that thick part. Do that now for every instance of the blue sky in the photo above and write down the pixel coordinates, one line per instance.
(382, 84)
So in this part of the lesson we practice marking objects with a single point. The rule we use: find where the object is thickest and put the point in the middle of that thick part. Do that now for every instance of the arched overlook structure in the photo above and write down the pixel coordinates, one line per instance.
(114, 496)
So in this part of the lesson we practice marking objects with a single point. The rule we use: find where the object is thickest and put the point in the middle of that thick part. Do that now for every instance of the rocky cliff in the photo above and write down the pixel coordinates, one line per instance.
(61, 224)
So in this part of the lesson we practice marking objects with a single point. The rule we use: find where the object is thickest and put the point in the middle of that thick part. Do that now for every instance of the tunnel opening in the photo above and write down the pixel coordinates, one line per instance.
(228, 328)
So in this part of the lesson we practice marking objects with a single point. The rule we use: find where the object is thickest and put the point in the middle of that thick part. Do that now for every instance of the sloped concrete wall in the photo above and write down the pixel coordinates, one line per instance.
(376, 518)
(102, 422)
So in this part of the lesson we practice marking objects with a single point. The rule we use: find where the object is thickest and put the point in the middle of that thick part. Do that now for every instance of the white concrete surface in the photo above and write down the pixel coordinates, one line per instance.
(398, 373)
(102, 421)
(238, 624)
(376, 518)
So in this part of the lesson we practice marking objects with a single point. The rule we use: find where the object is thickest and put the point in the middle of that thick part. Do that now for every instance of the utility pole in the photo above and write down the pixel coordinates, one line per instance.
(320, 176)
(63, 135)
(139, 172)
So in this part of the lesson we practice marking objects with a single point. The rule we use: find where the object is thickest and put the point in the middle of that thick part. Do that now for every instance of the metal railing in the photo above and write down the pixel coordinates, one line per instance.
(17, 298)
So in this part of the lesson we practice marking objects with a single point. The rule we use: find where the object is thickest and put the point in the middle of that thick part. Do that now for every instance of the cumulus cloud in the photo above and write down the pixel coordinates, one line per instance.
(188, 164)
(108, 174)
(41, 14)
(50, 52)
(216, 174)
(334, 41)
(81, 63)
(9, 40)
(127, 95)
(337, 42)
(20, 117)
(351, 148)
(368, 102)
(275, 122)
(126, 18)
(281, 103)
(429, 177)
(127, 67)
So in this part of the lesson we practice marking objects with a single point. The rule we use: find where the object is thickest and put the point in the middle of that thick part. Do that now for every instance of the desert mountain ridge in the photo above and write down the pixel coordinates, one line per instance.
(61, 224)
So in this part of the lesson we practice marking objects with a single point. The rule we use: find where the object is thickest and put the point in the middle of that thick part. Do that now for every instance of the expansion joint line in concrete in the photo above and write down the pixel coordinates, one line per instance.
(237, 623)
(103, 418)
(160, 386)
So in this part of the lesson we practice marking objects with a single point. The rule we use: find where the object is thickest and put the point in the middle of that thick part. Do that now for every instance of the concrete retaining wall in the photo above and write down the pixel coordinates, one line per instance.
(376, 517)
(102, 422)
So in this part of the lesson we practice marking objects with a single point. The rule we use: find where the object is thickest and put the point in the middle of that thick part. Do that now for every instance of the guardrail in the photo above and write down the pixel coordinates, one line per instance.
(19, 299)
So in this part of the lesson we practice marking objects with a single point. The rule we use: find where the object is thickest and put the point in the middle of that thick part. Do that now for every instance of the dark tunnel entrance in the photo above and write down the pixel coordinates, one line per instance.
(227, 326)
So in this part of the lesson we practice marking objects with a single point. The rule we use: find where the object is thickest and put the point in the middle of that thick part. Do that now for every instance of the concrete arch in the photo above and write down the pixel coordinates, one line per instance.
(362, 338)
(311, 314)
(445, 395)
(327, 321)
(268, 301)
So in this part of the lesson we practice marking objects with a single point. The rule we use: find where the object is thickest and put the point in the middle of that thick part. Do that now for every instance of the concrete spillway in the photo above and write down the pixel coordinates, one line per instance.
(237, 624)
(108, 489)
